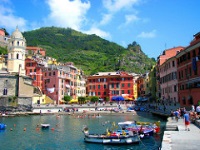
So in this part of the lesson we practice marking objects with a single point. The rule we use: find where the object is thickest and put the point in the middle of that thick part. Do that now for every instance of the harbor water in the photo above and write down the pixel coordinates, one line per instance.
(65, 132)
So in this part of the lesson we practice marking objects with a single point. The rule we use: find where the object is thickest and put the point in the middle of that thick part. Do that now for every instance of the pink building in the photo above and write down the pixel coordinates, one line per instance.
(54, 83)
(168, 80)
(164, 71)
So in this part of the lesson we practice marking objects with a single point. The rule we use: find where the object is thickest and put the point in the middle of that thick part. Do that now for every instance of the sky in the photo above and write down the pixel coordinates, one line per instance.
(156, 25)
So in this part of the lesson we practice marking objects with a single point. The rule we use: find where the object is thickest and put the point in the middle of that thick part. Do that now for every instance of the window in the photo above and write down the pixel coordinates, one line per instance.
(122, 91)
(117, 85)
(194, 53)
(173, 63)
(104, 86)
(99, 93)
(5, 91)
(129, 85)
(17, 56)
(129, 92)
(99, 86)
(122, 84)
(189, 56)
(112, 85)
(54, 73)
(49, 73)
(175, 88)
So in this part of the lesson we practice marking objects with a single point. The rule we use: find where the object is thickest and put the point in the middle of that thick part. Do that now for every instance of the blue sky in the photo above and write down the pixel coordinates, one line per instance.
(154, 24)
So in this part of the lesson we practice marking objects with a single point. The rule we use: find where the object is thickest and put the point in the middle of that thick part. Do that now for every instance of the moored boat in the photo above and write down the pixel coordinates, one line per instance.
(45, 126)
(2, 126)
(114, 138)
(144, 129)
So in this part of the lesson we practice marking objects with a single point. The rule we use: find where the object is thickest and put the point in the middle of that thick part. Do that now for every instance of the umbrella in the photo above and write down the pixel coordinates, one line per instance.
(118, 98)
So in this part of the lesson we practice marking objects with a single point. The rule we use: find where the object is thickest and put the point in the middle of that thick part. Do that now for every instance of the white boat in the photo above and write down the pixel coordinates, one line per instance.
(45, 126)
(114, 138)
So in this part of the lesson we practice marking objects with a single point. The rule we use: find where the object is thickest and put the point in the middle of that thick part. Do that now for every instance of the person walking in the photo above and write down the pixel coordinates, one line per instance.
(193, 109)
(186, 119)
(176, 114)
(198, 110)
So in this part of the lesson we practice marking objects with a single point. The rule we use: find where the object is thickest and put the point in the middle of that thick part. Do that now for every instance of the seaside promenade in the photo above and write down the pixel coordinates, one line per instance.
(180, 139)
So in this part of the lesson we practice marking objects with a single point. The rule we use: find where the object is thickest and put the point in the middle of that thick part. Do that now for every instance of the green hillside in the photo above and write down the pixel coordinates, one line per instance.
(89, 52)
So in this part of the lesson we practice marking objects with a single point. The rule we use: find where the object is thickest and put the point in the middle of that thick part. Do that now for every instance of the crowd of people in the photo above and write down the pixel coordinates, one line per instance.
(187, 116)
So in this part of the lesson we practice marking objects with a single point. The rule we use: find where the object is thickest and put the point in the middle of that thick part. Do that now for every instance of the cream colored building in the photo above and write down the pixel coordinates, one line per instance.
(80, 88)
(16, 53)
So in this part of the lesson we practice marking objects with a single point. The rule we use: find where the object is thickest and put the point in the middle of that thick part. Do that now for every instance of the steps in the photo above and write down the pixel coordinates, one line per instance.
(171, 128)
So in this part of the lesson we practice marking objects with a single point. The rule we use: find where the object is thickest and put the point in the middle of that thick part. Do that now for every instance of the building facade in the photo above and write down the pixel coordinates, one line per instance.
(168, 81)
(188, 71)
(106, 85)
(167, 54)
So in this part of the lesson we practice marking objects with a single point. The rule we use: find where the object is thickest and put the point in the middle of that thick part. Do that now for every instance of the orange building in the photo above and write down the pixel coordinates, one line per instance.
(188, 62)
(31, 50)
(109, 84)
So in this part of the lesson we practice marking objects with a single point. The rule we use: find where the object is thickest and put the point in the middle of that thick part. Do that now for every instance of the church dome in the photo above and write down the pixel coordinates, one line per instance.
(17, 34)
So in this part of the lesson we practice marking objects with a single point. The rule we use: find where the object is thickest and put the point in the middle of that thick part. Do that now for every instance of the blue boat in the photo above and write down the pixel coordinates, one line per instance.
(2, 126)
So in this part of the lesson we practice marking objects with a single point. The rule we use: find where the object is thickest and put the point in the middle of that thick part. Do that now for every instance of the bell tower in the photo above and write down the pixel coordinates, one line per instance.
(16, 53)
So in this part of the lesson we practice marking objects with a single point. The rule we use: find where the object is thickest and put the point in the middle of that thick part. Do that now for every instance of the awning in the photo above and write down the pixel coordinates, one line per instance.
(117, 98)
(73, 101)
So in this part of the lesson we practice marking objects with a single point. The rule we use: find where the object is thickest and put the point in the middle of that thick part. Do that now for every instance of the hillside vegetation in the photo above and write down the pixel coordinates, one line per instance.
(89, 52)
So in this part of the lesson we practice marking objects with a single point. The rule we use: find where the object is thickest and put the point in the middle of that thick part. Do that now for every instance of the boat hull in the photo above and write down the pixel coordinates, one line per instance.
(2, 126)
(103, 139)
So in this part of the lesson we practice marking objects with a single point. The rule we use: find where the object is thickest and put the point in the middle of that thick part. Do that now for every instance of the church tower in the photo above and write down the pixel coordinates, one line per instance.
(16, 53)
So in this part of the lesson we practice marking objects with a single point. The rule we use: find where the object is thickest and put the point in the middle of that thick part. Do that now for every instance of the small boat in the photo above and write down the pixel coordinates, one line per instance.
(45, 126)
(144, 129)
(114, 138)
(2, 126)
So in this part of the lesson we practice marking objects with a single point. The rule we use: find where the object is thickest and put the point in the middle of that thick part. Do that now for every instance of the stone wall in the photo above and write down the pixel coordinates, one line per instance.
(27, 101)
(26, 88)
(10, 83)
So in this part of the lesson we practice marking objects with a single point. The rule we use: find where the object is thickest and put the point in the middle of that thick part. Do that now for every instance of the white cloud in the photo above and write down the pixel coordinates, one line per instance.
(150, 34)
(117, 5)
(9, 21)
(98, 32)
(106, 19)
(130, 19)
(67, 13)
